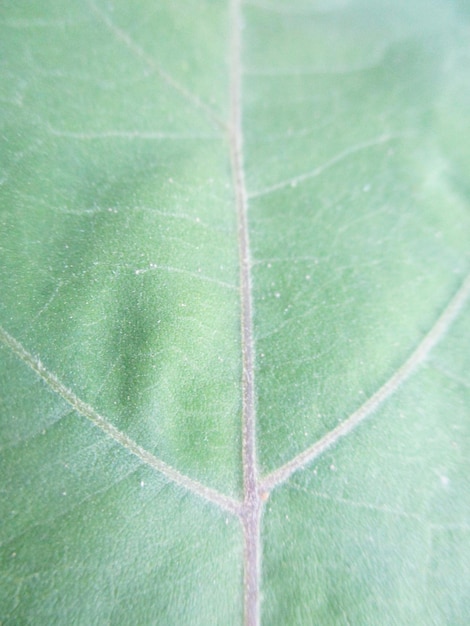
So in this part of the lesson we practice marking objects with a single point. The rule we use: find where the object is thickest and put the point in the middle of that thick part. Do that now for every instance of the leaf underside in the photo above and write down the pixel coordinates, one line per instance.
(234, 312)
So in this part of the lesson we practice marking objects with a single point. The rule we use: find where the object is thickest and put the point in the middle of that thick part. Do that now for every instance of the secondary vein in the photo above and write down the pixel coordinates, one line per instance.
(52, 381)
(125, 38)
(418, 356)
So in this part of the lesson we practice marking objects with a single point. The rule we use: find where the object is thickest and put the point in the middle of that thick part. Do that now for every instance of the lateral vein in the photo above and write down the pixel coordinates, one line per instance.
(419, 356)
(341, 156)
(215, 497)
(126, 39)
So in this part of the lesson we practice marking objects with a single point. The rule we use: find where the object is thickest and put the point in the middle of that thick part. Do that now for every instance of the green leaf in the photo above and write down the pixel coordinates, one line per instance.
(234, 313)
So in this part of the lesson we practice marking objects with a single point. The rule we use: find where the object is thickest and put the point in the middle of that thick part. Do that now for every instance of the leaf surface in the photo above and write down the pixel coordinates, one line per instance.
(234, 322)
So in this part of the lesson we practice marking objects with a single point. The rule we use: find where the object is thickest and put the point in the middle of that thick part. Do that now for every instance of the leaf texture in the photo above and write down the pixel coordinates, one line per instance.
(234, 322)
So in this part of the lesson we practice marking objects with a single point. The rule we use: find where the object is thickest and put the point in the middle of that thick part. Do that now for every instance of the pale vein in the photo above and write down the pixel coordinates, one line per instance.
(130, 135)
(419, 356)
(213, 496)
(176, 270)
(124, 38)
(251, 513)
(341, 156)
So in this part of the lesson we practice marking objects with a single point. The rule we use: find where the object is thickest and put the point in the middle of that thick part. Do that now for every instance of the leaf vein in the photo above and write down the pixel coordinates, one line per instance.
(130, 135)
(251, 512)
(418, 357)
(51, 380)
(127, 40)
(177, 270)
(341, 156)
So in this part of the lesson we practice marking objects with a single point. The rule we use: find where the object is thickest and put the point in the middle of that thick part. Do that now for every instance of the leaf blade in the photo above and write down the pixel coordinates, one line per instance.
(120, 271)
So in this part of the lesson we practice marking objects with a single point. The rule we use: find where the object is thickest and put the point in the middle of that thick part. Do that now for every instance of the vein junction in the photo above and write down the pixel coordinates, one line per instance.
(256, 491)
(260, 485)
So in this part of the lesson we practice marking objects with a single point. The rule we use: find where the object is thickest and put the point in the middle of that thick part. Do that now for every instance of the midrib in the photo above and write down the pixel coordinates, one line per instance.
(251, 508)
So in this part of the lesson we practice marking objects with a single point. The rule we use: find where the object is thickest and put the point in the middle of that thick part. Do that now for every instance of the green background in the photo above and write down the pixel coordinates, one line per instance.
(119, 271)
